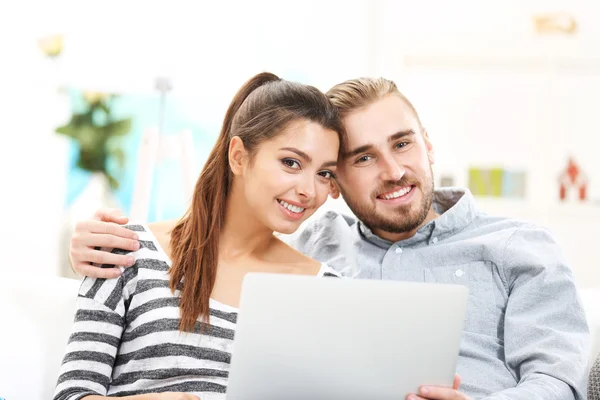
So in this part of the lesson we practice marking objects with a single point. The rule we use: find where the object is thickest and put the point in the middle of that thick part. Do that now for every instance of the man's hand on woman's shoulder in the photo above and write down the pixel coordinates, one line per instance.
(103, 230)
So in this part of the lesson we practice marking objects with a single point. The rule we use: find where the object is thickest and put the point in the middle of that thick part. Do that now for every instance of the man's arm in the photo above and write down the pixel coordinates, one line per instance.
(545, 331)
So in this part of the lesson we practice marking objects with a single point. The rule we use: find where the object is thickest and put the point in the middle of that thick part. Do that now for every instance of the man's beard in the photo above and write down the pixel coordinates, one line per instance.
(404, 218)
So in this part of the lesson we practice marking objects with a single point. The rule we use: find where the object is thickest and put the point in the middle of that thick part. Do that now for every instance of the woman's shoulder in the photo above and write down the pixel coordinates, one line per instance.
(299, 262)
(152, 239)
(161, 232)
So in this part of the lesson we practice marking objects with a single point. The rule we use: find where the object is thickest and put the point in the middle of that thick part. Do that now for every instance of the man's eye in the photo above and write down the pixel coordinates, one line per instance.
(401, 145)
(363, 159)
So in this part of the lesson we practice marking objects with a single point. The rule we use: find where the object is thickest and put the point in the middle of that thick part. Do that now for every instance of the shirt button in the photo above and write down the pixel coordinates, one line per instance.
(398, 250)
(459, 273)
(434, 240)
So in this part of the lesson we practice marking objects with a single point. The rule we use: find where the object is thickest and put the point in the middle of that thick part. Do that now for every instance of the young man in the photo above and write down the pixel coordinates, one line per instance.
(525, 335)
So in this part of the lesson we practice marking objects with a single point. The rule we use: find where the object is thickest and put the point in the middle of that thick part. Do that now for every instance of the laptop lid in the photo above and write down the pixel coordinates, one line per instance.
(301, 337)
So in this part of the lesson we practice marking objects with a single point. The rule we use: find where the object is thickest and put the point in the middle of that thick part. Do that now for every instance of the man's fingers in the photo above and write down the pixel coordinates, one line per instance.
(105, 240)
(104, 257)
(108, 228)
(456, 383)
(110, 215)
(440, 393)
(95, 272)
(100, 257)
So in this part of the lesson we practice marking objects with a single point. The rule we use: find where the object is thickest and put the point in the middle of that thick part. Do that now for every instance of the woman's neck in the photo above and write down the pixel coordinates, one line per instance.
(242, 235)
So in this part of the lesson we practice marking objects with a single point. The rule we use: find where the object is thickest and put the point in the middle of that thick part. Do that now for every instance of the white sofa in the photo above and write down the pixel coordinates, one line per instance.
(36, 316)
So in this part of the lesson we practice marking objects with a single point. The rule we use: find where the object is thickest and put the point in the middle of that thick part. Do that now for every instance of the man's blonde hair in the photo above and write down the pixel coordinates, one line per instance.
(358, 93)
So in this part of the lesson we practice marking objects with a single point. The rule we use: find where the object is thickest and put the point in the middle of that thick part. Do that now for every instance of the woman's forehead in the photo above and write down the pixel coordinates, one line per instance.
(308, 137)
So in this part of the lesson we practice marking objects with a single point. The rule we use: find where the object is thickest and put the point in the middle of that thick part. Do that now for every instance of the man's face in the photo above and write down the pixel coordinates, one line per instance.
(385, 174)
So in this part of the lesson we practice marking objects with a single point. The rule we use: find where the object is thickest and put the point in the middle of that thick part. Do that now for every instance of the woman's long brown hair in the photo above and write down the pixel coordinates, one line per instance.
(260, 110)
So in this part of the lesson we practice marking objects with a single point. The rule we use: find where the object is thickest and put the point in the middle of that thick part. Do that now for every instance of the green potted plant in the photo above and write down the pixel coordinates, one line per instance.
(95, 130)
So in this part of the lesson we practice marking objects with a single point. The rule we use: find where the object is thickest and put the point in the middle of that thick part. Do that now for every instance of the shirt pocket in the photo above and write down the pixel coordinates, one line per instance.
(478, 278)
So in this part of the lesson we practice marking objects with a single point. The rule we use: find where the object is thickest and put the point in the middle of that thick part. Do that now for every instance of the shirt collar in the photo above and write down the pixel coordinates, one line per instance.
(456, 208)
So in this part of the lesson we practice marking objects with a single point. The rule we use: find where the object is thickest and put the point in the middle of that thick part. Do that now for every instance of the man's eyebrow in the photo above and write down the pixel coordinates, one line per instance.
(393, 137)
(358, 150)
(400, 135)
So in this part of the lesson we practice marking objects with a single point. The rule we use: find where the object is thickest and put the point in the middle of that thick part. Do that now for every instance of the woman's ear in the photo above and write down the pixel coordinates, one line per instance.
(238, 156)
(334, 190)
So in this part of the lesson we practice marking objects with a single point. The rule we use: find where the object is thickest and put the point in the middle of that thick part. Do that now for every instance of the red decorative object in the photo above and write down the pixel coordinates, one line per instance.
(573, 178)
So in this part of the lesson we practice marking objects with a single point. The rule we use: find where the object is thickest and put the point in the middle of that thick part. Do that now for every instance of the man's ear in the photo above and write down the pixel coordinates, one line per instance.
(334, 189)
(238, 156)
(429, 147)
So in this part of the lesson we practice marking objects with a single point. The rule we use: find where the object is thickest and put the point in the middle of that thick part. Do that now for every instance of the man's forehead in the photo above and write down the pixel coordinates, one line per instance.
(379, 120)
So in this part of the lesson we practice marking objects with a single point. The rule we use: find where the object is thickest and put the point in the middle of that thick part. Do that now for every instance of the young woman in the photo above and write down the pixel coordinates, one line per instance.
(163, 330)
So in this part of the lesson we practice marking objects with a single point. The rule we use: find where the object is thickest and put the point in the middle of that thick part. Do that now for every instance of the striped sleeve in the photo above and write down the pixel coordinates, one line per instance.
(96, 334)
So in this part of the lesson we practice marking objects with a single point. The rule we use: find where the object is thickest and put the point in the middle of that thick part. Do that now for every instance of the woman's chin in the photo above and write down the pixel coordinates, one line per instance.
(286, 229)
(288, 226)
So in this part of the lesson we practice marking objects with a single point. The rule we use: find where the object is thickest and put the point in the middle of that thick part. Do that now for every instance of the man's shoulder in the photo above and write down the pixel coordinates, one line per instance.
(462, 214)
(328, 238)
(329, 224)
(502, 226)
(518, 241)
(338, 219)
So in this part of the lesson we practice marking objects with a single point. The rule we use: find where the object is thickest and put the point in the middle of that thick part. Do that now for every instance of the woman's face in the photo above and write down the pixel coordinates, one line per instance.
(290, 176)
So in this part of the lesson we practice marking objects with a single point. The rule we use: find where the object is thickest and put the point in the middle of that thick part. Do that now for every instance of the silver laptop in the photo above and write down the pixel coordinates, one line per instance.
(308, 338)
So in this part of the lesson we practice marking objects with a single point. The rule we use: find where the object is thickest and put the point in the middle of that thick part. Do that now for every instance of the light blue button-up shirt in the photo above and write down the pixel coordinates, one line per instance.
(525, 336)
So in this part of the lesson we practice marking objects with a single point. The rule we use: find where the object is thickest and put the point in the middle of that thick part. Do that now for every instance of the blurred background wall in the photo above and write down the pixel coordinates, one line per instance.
(508, 91)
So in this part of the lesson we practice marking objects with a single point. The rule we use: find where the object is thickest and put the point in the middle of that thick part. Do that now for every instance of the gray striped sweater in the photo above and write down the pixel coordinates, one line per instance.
(126, 339)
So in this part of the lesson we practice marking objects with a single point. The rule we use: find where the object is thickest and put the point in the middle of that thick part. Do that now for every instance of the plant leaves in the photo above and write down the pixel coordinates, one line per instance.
(119, 155)
(93, 130)
(114, 184)
(118, 128)
(90, 138)
(104, 107)
(68, 130)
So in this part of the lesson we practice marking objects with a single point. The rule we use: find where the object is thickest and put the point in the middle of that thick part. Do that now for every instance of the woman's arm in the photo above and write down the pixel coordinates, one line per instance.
(150, 396)
(96, 335)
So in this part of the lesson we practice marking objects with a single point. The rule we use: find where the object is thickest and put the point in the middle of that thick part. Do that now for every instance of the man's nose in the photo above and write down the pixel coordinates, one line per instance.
(391, 170)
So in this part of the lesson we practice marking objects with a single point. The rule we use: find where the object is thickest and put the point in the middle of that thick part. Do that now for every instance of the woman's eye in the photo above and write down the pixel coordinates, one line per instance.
(327, 174)
(291, 163)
